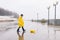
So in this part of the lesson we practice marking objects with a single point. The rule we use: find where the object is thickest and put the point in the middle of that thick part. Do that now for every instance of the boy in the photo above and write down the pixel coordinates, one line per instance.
(20, 23)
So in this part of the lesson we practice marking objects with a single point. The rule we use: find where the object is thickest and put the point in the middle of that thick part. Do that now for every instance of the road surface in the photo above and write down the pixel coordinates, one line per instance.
(43, 32)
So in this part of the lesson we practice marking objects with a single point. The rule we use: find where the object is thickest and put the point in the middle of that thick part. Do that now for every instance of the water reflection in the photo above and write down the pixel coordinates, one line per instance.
(20, 36)
(56, 29)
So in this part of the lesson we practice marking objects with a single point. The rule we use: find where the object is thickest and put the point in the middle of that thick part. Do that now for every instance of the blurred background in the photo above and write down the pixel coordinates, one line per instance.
(43, 16)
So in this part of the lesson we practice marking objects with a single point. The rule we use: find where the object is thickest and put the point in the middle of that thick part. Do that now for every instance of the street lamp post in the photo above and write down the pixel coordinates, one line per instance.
(48, 14)
(55, 12)
(37, 17)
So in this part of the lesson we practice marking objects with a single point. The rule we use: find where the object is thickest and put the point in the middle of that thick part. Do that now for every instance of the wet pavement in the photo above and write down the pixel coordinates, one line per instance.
(42, 32)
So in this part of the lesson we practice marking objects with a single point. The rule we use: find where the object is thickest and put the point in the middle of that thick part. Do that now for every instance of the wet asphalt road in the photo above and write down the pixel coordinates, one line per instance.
(42, 32)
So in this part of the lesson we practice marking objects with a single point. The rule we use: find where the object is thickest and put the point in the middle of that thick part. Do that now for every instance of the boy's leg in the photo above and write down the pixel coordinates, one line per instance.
(18, 29)
(23, 29)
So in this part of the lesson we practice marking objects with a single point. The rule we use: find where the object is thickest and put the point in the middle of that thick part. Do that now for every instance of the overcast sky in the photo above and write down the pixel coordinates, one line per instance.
(30, 8)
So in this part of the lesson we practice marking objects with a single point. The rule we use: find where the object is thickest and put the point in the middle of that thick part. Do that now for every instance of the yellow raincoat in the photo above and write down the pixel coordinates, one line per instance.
(20, 22)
